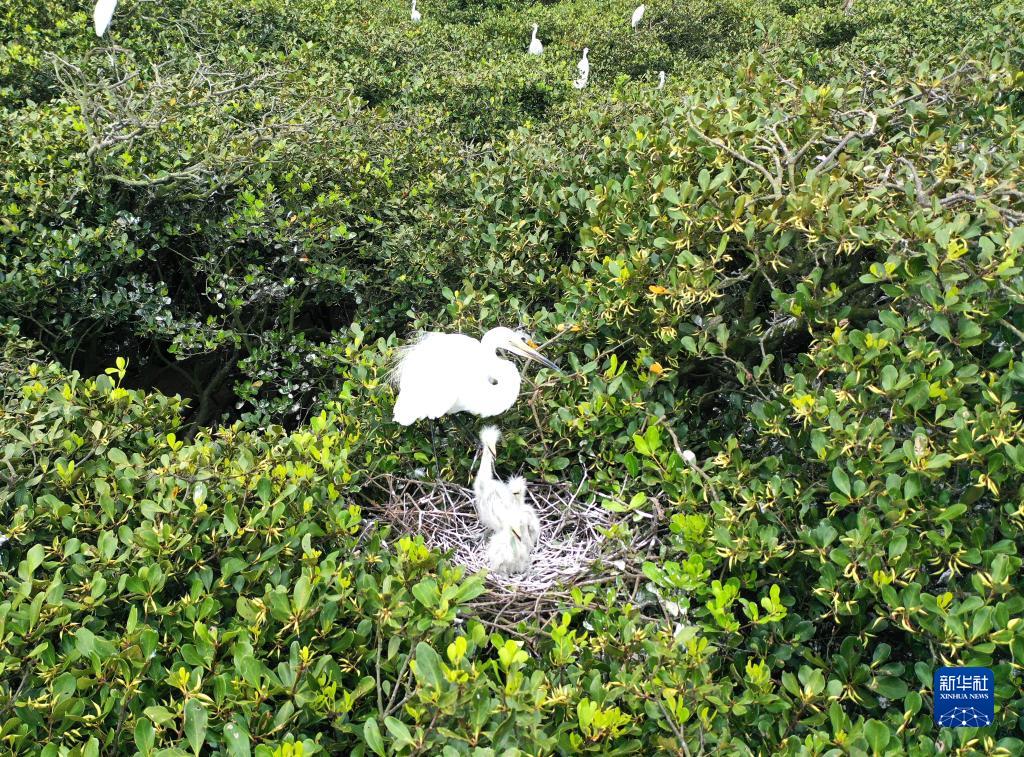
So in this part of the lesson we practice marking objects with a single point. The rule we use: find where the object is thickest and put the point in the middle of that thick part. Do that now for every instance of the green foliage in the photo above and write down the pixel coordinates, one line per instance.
(799, 263)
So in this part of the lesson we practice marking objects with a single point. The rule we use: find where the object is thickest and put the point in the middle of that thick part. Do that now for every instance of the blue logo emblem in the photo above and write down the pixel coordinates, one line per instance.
(964, 697)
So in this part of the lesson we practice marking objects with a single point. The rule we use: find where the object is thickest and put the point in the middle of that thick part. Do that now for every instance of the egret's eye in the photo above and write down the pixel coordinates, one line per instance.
(493, 381)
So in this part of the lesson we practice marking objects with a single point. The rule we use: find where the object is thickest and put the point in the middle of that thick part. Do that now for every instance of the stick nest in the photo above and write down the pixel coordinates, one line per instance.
(578, 545)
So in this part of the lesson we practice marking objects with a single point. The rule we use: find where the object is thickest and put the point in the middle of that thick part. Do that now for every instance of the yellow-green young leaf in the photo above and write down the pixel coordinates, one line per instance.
(428, 665)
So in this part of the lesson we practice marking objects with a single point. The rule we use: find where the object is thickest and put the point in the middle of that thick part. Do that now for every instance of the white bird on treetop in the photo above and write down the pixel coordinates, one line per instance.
(439, 374)
(415, 14)
(583, 69)
(638, 15)
(661, 80)
(102, 14)
(536, 48)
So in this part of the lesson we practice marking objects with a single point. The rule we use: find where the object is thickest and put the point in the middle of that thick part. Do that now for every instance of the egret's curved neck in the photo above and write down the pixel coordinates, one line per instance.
(486, 472)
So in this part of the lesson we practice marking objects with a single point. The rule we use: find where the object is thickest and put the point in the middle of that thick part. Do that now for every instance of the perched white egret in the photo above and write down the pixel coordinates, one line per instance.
(415, 14)
(507, 553)
(102, 14)
(440, 374)
(638, 15)
(536, 48)
(583, 70)
(661, 80)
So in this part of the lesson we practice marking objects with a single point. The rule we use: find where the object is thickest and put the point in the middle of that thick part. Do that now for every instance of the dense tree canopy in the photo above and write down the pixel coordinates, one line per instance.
(798, 261)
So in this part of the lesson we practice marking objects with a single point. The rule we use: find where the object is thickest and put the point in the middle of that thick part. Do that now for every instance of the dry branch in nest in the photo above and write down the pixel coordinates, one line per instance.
(575, 547)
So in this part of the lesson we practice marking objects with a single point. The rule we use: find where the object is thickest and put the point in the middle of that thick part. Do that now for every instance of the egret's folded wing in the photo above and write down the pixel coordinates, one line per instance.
(426, 388)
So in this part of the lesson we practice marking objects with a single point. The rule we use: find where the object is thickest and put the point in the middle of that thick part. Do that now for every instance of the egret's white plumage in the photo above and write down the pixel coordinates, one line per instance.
(440, 374)
(492, 496)
(415, 14)
(506, 552)
(536, 47)
(661, 80)
(638, 15)
(582, 70)
(527, 524)
(102, 14)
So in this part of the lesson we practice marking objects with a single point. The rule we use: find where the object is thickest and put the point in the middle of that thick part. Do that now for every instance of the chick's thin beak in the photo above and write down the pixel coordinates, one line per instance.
(528, 349)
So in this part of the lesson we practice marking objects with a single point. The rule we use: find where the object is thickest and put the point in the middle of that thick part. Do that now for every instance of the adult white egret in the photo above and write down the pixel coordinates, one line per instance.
(638, 15)
(536, 48)
(102, 14)
(415, 14)
(661, 80)
(582, 70)
(440, 374)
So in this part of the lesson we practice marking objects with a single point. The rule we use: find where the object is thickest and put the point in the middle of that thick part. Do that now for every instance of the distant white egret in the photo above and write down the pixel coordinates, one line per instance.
(638, 15)
(583, 70)
(102, 14)
(661, 80)
(415, 14)
(536, 48)
(440, 374)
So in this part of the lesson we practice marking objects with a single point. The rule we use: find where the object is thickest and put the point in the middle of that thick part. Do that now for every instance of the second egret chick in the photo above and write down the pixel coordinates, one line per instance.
(507, 553)
(526, 522)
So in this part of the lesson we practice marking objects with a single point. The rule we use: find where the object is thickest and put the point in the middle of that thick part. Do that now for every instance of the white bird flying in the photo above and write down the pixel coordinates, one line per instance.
(440, 374)
(415, 14)
(583, 70)
(102, 14)
(661, 80)
(638, 15)
(536, 48)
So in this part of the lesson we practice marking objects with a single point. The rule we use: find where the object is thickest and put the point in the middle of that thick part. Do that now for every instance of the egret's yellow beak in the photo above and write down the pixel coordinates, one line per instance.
(528, 349)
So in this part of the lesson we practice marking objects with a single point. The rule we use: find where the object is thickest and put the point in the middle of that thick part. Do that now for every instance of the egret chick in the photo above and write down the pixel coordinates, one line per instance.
(102, 15)
(582, 70)
(638, 15)
(507, 553)
(492, 499)
(415, 14)
(536, 48)
(661, 80)
(526, 520)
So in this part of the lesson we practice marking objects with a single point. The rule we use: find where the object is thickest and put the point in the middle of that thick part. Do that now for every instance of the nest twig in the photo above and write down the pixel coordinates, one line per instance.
(576, 548)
